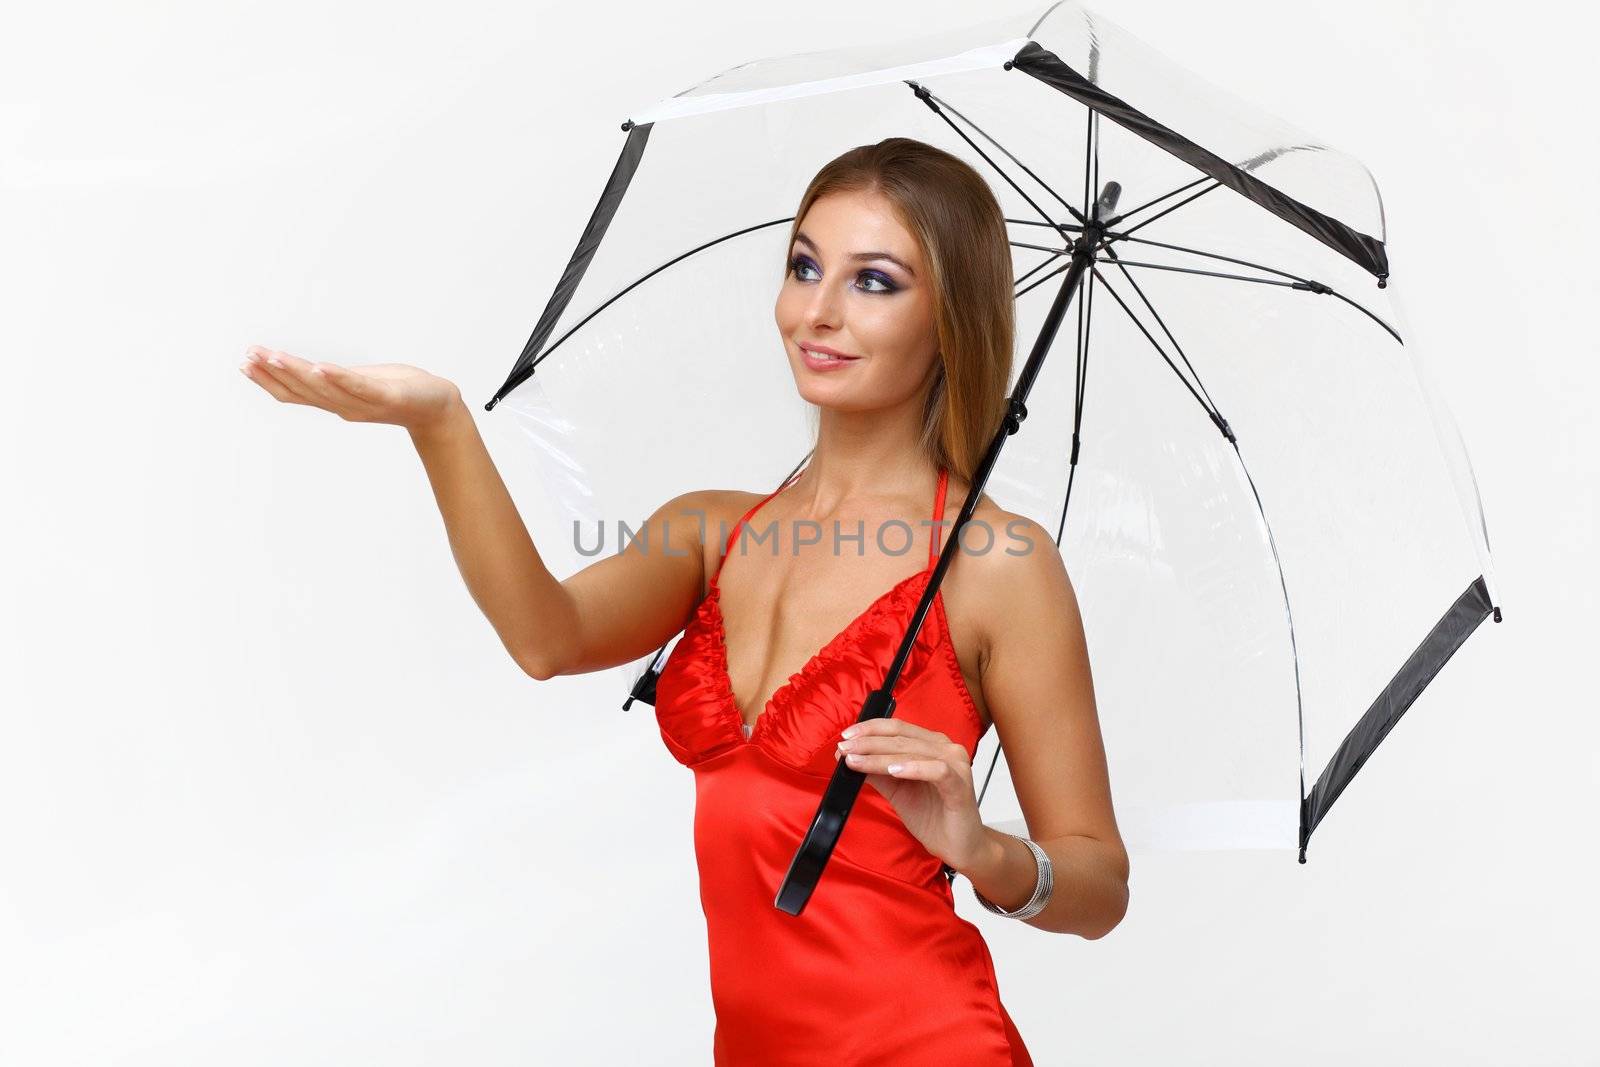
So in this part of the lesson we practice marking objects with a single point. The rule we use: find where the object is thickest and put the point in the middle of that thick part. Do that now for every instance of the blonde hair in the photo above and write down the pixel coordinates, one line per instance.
(957, 221)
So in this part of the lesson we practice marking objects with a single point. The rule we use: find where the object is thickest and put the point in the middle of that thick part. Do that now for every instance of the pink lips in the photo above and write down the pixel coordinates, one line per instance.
(823, 361)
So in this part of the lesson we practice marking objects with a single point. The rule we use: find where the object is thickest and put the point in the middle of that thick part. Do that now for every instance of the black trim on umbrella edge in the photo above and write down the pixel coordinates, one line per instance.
(599, 222)
(641, 279)
(1447, 635)
(1038, 61)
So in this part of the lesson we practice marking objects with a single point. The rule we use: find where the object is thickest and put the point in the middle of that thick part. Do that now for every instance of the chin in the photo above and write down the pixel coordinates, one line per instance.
(833, 398)
(813, 392)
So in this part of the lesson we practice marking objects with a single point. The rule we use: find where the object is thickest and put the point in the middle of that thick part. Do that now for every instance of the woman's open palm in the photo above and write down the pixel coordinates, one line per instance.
(394, 393)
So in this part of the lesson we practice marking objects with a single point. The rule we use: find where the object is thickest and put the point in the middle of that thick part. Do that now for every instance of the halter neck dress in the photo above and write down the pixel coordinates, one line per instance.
(878, 969)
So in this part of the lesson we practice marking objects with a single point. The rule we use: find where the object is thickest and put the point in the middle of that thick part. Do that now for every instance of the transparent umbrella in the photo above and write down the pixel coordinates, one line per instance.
(1268, 515)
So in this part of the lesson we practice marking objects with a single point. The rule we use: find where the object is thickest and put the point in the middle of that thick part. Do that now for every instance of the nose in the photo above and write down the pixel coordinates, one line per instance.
(824, 307)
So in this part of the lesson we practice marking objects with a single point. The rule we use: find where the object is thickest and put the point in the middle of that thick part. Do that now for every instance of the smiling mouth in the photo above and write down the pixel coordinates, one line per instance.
(825, 357)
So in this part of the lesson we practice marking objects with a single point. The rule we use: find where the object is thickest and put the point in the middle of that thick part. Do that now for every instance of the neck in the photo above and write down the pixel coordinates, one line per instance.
(867, 455)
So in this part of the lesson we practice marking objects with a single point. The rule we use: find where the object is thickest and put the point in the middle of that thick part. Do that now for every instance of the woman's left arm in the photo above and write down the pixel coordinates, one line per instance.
(1036, 683)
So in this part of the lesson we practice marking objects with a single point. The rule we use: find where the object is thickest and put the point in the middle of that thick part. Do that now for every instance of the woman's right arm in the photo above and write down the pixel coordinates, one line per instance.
(615, 610)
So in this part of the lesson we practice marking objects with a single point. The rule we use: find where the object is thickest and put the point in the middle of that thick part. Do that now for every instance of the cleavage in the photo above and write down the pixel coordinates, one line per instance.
(776, 612)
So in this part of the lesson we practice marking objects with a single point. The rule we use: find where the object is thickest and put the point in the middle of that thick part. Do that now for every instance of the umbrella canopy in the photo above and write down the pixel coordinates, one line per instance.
(1267, 513)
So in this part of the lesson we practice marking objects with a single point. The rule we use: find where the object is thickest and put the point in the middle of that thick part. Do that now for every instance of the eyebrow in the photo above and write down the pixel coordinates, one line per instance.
(801, 238)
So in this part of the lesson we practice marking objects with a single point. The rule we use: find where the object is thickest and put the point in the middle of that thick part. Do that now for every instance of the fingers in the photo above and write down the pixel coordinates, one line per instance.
(285, 361)
(877, 744)
(324, 385)
(889, 726)
(259, 367)
(884, 743)
(360, 387)
(927, 770)
(888, 734)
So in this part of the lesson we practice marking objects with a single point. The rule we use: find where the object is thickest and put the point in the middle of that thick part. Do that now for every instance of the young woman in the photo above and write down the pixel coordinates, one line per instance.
(896, 315)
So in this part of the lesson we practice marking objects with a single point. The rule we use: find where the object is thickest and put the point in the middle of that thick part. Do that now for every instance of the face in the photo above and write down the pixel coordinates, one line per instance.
(857, 285)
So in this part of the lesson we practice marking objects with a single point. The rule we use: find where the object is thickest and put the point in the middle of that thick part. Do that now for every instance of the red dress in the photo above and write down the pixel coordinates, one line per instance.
(878, 969)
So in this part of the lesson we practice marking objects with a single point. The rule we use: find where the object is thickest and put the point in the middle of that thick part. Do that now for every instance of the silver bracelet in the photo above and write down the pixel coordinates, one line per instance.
(1041, 887)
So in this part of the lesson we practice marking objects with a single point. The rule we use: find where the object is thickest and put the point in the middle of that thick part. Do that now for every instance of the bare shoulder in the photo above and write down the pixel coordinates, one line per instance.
(1015, 576)
(714, 505)
(700, 520)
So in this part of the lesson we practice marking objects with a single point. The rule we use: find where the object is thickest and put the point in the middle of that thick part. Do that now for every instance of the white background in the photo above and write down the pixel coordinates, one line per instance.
(272, 792)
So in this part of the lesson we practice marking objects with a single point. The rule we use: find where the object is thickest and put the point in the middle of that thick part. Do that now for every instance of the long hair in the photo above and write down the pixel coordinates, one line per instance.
(958, 223)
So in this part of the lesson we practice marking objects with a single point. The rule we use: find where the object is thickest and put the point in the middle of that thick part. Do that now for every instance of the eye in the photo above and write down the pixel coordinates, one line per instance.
(881, 279)
(800, 263)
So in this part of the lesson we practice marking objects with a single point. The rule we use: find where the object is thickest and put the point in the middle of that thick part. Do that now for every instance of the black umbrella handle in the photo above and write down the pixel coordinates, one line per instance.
(811, 858)
(828, 823)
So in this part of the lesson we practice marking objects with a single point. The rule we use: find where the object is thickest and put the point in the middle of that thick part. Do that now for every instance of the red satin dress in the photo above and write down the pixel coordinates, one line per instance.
(878, 969)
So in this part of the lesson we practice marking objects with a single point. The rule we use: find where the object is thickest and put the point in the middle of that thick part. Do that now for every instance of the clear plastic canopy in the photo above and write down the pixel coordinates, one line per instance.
(1260, 611)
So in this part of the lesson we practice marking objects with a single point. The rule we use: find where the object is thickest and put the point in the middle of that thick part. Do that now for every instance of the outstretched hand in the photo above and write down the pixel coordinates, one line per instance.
(393, 393)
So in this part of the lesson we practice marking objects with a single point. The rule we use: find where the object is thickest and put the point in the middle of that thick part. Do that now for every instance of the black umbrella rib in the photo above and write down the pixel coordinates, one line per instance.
(1054, 251)
(614, 297)
(1152, 203)
(1121, 235)
(1358, 307)
(1091, 182)
(1091, 160)
(1053, 225)
(944, 104)
(1081, 370)
(1091, 177)
(1044, 278)
(1163, 214)
(1157, 315)
(1194, 270)
(1302, 284)
(1294, 642)
(1216, 417)
(1248, 166)
(1038, 266)
(927, 98)
(1266, 525)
